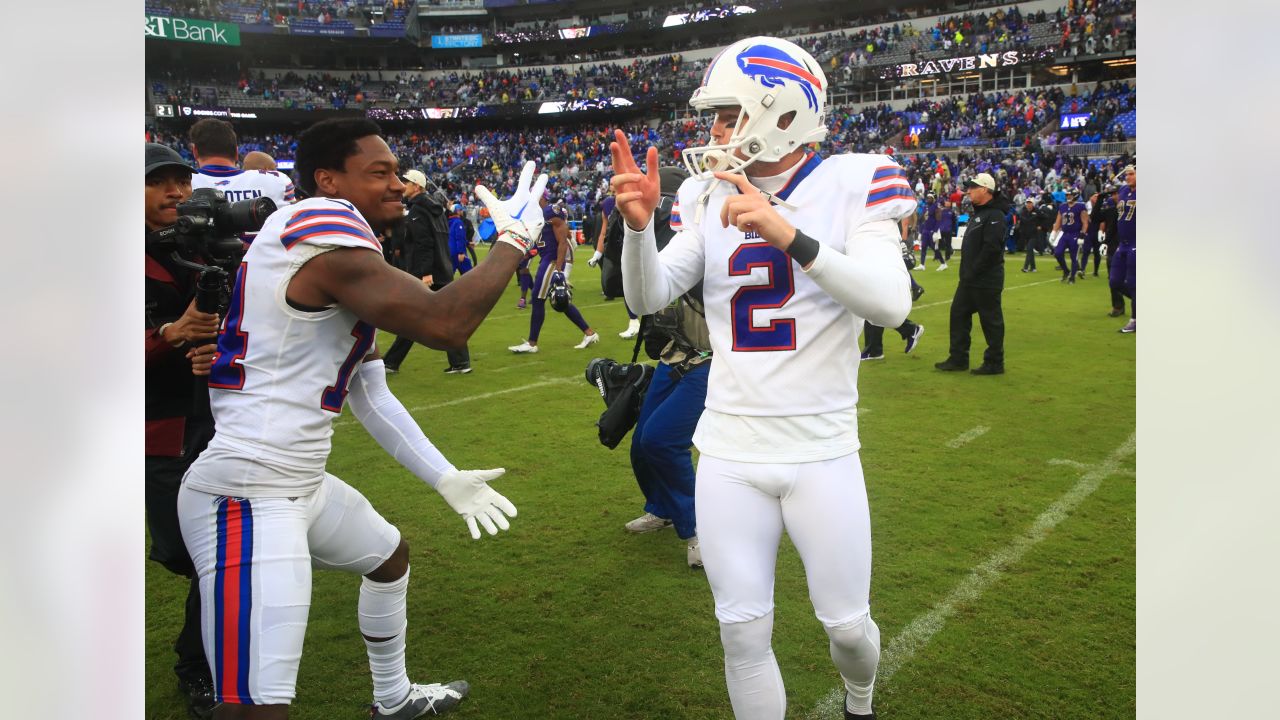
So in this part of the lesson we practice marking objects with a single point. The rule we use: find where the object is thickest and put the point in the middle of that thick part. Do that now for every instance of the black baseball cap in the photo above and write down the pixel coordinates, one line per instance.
(159, 156)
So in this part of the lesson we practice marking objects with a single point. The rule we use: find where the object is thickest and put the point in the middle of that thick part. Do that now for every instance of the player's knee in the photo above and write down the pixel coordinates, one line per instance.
(746, 642)
(394, 567)
(858, 635)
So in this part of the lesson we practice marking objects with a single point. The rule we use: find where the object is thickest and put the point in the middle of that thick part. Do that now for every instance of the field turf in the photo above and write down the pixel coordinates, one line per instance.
(1003, 523)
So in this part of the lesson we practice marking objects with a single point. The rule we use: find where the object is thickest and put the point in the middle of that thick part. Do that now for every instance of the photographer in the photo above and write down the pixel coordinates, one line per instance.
(678, 337)
(179, 350)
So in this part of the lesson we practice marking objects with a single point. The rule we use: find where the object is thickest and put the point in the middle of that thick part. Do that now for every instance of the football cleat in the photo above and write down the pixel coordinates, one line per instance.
(633, 329)
(1130, 327)
(915, 338)
(523, 347)
(866, 355)
(693, 554)
(647, 523)
(591, 339)
(520, 305)
(425, 701)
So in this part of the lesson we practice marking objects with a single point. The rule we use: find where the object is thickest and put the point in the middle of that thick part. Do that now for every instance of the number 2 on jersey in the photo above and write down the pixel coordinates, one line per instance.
(778, 288)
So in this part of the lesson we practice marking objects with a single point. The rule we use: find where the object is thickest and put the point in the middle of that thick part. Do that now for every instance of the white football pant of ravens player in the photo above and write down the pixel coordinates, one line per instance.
(258, 508)
(796, 252)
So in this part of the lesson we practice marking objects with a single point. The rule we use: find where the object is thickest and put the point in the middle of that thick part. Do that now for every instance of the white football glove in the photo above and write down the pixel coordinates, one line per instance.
(518, 219)
(468, 493)
(595, 258)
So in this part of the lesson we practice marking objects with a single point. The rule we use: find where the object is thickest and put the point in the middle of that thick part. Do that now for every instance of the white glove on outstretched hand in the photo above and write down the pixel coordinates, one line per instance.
(518, 219)
(468, 493)
(595, 258)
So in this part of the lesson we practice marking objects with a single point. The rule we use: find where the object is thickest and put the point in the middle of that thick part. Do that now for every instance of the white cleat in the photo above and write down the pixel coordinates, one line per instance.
(918, 267)
(591, 339)
(694, 554)
(523, 347)
(647, 523)
(633, 329)
(942, 267)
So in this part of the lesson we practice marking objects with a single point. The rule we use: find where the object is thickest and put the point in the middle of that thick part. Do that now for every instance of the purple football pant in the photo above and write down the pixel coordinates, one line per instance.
(1124, 269)
(1067, 243)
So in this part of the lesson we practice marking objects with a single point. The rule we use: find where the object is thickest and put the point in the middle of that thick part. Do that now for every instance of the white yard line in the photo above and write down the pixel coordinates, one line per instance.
(948, 302)
(483, 396)
(920, 631)
(967, 437)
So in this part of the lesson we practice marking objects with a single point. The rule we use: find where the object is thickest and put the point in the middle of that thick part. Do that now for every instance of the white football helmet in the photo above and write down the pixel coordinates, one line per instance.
(768, 78)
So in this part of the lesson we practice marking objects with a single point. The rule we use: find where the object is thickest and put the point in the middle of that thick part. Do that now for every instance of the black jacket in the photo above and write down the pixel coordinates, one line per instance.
(426, 240)
(1030, 224)
(175, 423)
(982, 255)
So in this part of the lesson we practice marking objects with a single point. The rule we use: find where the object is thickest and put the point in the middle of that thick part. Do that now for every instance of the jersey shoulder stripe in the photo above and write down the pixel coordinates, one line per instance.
(331, 218)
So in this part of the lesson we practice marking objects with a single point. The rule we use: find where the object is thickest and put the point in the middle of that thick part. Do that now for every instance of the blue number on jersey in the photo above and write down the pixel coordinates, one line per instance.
(773, 294)
(336, 394)
(233, 343)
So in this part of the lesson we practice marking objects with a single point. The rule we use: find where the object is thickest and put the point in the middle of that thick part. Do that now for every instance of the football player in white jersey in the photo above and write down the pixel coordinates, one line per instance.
(795, 252)
(217, 149)
(257, 508)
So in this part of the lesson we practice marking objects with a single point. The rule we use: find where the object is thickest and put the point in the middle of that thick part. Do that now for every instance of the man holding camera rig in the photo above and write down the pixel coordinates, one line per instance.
(676, 336)
(179, 348)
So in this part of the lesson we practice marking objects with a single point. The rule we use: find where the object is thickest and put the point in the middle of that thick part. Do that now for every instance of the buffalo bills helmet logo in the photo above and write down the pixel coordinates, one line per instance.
(223, 182)
(772, 67)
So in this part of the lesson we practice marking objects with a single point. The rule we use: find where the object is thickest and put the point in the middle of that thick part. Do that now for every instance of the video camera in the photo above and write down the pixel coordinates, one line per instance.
(209, 229)
(622, 387)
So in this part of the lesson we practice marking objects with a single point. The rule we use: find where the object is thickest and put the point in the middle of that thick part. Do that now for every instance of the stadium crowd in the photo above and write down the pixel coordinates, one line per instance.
(1094, 25)
(577, 156)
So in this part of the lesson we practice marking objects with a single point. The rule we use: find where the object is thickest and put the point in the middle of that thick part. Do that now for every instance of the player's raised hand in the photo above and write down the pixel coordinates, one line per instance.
(517, 219)
(637, 193)
(469, 494)
(751, 211)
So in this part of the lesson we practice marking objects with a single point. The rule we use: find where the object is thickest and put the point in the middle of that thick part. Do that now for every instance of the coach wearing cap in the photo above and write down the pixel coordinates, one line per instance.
(179, 347)
(981, 280)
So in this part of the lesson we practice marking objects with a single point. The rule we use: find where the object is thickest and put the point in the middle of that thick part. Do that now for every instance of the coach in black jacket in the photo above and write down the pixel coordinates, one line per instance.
(424, 253)
(981, 280)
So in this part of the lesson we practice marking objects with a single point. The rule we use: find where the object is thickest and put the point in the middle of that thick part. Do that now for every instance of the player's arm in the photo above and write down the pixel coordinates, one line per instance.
(390, 424)
(903, 225)
(395, 301)
(561, 230)
(1057, 224)
(650, 280)
(869, 278)
(1084, 222)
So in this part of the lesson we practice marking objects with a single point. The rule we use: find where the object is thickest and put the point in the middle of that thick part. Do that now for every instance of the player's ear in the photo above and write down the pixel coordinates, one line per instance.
(326, 181)
(784, 122)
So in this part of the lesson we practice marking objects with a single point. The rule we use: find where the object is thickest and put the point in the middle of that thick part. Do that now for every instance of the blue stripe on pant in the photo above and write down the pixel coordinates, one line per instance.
(661, 443)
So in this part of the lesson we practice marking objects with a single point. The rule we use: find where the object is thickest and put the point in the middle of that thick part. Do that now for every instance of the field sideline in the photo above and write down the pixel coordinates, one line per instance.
(1003, 521)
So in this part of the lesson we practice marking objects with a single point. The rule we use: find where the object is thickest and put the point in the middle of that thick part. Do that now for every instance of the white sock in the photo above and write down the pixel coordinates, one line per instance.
(751, 670)
(568, 268)
(383, 614)
(855, 650)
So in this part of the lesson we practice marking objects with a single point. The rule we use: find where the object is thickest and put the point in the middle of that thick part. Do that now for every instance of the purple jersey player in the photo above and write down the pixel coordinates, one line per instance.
(1073, 219)
(1124, 263)
(928, 226)
(552, 247)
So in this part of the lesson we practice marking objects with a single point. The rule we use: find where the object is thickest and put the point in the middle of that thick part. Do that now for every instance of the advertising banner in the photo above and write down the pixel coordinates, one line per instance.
(192, 30)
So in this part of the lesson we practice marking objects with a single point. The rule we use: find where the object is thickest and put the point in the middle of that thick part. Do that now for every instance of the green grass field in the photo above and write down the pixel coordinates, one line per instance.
(1004, 559)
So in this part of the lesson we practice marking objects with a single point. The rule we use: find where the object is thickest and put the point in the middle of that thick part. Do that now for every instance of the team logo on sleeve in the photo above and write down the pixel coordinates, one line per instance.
(772, 67)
